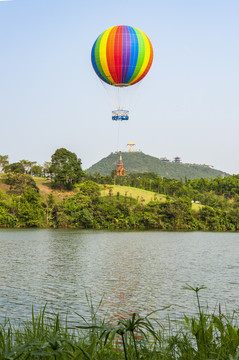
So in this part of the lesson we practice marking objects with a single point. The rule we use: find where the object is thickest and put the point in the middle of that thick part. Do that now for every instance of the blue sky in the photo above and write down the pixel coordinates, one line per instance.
(187, 105)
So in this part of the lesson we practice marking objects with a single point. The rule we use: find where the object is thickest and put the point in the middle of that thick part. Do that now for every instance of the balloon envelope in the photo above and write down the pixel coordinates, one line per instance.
(122, 55)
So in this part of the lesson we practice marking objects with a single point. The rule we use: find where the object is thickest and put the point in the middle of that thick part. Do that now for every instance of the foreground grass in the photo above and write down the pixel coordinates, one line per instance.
(204, 337)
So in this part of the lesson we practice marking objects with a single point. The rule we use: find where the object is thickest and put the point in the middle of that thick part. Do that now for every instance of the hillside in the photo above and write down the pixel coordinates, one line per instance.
(138, 162)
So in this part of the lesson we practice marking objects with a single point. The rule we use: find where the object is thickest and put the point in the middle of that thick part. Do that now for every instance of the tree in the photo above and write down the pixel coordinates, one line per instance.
(3, 161)
(36, 170)
(30, 211)
(78, 210)
(91, 189)
(65, 168)
(210, 218)
(46, 169)
(14, 167)
(28, 165)
(48, 204)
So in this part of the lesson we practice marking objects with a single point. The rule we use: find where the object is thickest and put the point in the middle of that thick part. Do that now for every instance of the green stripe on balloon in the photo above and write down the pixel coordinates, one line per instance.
(97, 58)
(141, 54)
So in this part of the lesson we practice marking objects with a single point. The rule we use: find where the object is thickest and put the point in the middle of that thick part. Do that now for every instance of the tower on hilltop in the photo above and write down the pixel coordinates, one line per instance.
(177, 159)
(120, 168)
(131, 144)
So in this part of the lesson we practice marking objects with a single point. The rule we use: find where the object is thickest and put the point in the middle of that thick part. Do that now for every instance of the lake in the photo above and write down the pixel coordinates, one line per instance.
(128, 271)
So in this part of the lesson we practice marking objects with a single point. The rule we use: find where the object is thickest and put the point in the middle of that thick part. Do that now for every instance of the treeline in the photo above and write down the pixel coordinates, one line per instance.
(87, 209)
(228, 186)
(64, 168)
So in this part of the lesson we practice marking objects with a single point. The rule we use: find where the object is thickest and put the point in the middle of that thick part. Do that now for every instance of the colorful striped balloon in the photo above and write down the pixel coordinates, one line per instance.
(122, 55)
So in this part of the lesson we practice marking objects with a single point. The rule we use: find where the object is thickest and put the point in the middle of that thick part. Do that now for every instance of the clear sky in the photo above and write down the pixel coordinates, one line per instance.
(187, 106)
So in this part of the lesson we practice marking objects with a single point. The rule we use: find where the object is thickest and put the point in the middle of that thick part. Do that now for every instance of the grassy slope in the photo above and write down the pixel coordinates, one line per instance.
(45, 188)
(3, 187)
(134, 193)
(139, 194)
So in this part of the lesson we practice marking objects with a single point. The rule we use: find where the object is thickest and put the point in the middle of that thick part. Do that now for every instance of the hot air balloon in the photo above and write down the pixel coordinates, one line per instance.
(121, 57)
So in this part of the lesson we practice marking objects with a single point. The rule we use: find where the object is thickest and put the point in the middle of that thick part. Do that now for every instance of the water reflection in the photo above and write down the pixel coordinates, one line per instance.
(132, 271)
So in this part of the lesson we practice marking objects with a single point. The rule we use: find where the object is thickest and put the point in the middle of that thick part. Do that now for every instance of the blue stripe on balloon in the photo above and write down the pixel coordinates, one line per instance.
(95, 66)
(134, 53)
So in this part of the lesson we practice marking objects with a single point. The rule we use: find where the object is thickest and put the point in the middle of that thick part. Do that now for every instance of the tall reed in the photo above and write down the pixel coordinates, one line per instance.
(205, 336)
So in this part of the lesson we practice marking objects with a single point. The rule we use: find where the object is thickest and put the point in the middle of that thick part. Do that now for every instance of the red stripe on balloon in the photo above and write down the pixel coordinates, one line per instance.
(110, 53)
(118, 54)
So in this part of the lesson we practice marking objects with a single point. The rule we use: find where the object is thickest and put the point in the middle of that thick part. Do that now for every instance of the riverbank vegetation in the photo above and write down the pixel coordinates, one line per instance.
(201, 337)
(66, 197)
(25, 202)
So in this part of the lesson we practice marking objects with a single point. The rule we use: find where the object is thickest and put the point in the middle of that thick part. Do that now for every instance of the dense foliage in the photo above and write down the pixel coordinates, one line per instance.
(15, 167)
(86, 208)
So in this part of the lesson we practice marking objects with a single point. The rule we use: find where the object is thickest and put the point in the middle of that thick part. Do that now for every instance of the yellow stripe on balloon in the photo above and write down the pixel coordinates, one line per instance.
(146, 57)
(103, 58)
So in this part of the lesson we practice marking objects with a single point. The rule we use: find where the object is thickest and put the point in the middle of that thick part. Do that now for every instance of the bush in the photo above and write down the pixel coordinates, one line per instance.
(19, 182)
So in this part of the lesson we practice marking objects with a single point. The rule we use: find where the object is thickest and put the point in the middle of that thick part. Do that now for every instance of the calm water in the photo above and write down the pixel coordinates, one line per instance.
(132, 271)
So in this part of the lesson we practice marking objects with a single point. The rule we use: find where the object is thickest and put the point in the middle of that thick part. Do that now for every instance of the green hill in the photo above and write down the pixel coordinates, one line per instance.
(138, 162)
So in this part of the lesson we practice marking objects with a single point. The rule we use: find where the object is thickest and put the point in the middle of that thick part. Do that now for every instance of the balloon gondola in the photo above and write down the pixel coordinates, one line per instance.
(120, 115)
